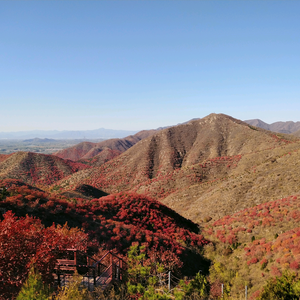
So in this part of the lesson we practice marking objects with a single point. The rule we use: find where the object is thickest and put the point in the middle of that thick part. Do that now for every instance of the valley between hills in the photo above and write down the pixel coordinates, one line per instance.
(214, 194)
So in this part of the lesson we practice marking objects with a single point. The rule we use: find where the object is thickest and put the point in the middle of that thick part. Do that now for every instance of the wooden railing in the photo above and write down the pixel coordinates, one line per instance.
(108, 269)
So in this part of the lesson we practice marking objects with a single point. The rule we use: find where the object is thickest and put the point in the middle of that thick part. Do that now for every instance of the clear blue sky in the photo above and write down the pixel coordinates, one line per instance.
(144, 64)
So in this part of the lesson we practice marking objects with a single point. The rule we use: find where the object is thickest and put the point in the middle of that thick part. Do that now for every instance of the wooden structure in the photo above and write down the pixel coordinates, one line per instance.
(108, 269)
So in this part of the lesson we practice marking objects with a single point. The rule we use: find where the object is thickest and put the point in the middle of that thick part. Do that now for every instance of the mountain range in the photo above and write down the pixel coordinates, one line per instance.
(237, 181)
(188, 165)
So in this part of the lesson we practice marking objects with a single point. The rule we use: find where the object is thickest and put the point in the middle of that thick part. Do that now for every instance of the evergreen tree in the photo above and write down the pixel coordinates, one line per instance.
(33, 288)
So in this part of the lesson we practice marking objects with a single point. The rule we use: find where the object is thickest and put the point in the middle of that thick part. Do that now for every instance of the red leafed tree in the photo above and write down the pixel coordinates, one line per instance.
(25, 241)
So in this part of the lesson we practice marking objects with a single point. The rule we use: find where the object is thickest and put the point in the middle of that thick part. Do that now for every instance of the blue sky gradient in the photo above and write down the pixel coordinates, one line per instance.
(77, 65)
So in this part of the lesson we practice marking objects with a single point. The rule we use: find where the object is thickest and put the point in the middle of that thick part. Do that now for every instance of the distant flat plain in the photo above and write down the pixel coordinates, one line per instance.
(45, 146)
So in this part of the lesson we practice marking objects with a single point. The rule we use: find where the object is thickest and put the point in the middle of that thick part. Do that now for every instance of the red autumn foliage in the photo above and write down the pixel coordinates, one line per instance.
(281, 251)
(253, 260)
(114, 222)
(294, 265)
(25, 241)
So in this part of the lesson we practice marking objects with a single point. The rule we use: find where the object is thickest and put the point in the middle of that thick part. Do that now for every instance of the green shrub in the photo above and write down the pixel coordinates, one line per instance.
(197, 287)
(285, 287)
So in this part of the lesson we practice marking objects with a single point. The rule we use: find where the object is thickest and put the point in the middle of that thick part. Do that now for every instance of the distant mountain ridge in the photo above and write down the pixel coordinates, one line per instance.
(39, 140)
(101, 133)
(68, 134)
(282, 127)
